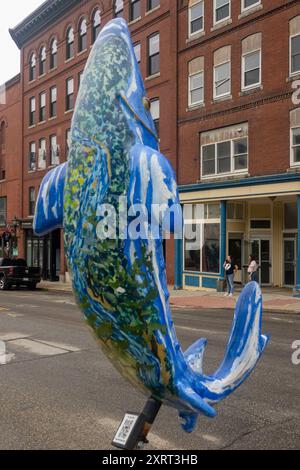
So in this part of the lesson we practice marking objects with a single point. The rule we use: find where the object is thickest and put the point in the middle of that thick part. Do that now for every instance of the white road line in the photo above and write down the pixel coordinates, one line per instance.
(13, 335)
(35, 347)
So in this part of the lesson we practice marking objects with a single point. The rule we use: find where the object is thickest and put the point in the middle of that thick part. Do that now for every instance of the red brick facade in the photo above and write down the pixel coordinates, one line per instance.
(10, 154)
(265, 108)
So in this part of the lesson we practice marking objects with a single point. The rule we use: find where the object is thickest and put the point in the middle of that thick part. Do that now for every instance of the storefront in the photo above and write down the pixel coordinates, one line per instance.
(43, 252)
(257, 216)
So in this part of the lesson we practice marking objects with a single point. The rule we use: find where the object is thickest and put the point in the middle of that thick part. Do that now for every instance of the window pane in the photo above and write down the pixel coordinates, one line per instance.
(290, 216)
(155, 109)
(154, 44)
(230, 211)
(252, 78)
(223, 157)
(196, 81)
(249, 3)
(192, 247)
(222, 9)
(196, 11)
(240, 146)
(211, 248)
(197, 96)
(297, 155)
(137, 51)
(240, 162)
(154, 65)
(213, 211)
(252, 61)
(197, 25)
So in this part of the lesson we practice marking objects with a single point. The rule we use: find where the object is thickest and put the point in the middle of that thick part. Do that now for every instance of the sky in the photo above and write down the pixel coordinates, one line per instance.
(12, 13)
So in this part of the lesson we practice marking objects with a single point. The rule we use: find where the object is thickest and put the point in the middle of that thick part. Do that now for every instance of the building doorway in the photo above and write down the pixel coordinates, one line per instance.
(289, 262)
(261, 250)
(236, 251)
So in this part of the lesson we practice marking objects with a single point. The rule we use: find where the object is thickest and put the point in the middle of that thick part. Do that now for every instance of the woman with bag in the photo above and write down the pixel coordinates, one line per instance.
(252, 269)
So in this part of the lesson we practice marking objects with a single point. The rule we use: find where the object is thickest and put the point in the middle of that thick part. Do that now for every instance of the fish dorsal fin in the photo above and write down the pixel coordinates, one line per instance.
(50, 201)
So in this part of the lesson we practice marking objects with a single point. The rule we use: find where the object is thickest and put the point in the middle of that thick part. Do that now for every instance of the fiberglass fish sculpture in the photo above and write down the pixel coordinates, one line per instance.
(120, 281)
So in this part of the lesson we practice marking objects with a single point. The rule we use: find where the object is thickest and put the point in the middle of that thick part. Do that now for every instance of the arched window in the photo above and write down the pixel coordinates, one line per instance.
(53, 54)
(96, 25)
(70, 43)
(82, 35)
(32, 67)
(43, 57)
(118, 8)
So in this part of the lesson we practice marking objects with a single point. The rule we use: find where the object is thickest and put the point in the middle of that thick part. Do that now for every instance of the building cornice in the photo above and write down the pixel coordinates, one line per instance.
(39, 19)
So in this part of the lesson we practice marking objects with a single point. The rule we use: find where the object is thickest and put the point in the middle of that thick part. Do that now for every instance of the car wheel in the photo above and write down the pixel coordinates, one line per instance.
(32, 287)
(3, 284)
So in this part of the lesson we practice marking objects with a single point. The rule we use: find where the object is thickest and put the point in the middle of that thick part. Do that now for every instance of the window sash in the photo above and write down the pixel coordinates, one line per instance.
(215, 162)
(295, 54)
(250, 69)
(196, 90)
(196, 18)
(221, 80)
(253, 4)
(220, 9)
(295, 146)
(135, 9)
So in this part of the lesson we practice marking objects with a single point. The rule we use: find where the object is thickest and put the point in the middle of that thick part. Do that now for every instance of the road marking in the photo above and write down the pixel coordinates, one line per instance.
(197, 330)
(37, 348)
(65, 347)
(282, 320)
(13, 335)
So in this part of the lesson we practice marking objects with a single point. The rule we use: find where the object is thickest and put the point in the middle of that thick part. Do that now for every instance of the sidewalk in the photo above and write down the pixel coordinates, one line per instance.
(275, 300)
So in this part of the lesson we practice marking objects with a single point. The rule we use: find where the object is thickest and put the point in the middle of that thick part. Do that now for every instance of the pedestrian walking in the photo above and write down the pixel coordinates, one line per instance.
(230, 270)
(252, 269)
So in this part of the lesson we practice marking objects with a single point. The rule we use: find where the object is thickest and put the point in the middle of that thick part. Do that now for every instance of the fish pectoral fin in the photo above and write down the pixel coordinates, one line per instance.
(50, 202)
(187, 393)
(194, 355)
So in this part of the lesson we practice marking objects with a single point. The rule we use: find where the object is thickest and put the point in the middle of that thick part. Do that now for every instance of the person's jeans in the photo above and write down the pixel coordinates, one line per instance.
(230, 283)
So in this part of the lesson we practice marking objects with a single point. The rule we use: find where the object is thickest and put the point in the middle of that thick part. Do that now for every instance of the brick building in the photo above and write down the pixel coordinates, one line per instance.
(220, 76)
(10, 166)
(238, 139)
(55, 41)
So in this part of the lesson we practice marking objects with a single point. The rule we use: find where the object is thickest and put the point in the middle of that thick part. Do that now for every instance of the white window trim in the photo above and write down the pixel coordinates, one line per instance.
(292, 74)
(191, 35)
(223, 19)
(217, 97)
(197, 103)
(243, 9)
(232, 171)
(292, 163)
(258, 84)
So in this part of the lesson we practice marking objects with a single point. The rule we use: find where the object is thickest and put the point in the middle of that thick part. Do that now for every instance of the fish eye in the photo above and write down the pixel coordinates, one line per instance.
(147, 103)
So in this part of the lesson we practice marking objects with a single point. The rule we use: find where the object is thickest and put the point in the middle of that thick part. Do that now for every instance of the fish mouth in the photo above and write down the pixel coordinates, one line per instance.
(136, 116)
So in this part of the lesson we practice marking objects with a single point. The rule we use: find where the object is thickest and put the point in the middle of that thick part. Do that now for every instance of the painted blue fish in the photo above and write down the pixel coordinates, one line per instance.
(120, 282)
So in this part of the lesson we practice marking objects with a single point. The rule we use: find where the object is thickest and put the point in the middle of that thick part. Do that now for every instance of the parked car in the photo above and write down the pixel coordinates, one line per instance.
(15, 272)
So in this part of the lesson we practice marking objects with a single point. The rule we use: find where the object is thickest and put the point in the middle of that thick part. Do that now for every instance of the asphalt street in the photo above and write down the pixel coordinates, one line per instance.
(58, 391)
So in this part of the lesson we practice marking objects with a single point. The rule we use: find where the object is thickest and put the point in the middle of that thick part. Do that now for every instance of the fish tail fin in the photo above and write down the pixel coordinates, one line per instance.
(245, 346)
(49, 205)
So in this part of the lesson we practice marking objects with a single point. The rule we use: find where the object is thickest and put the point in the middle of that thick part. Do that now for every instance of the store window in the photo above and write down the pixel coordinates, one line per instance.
(202, 238)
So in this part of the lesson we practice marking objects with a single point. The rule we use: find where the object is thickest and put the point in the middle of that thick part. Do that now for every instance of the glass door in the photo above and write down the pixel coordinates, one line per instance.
(289, 262)
(261, 250)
